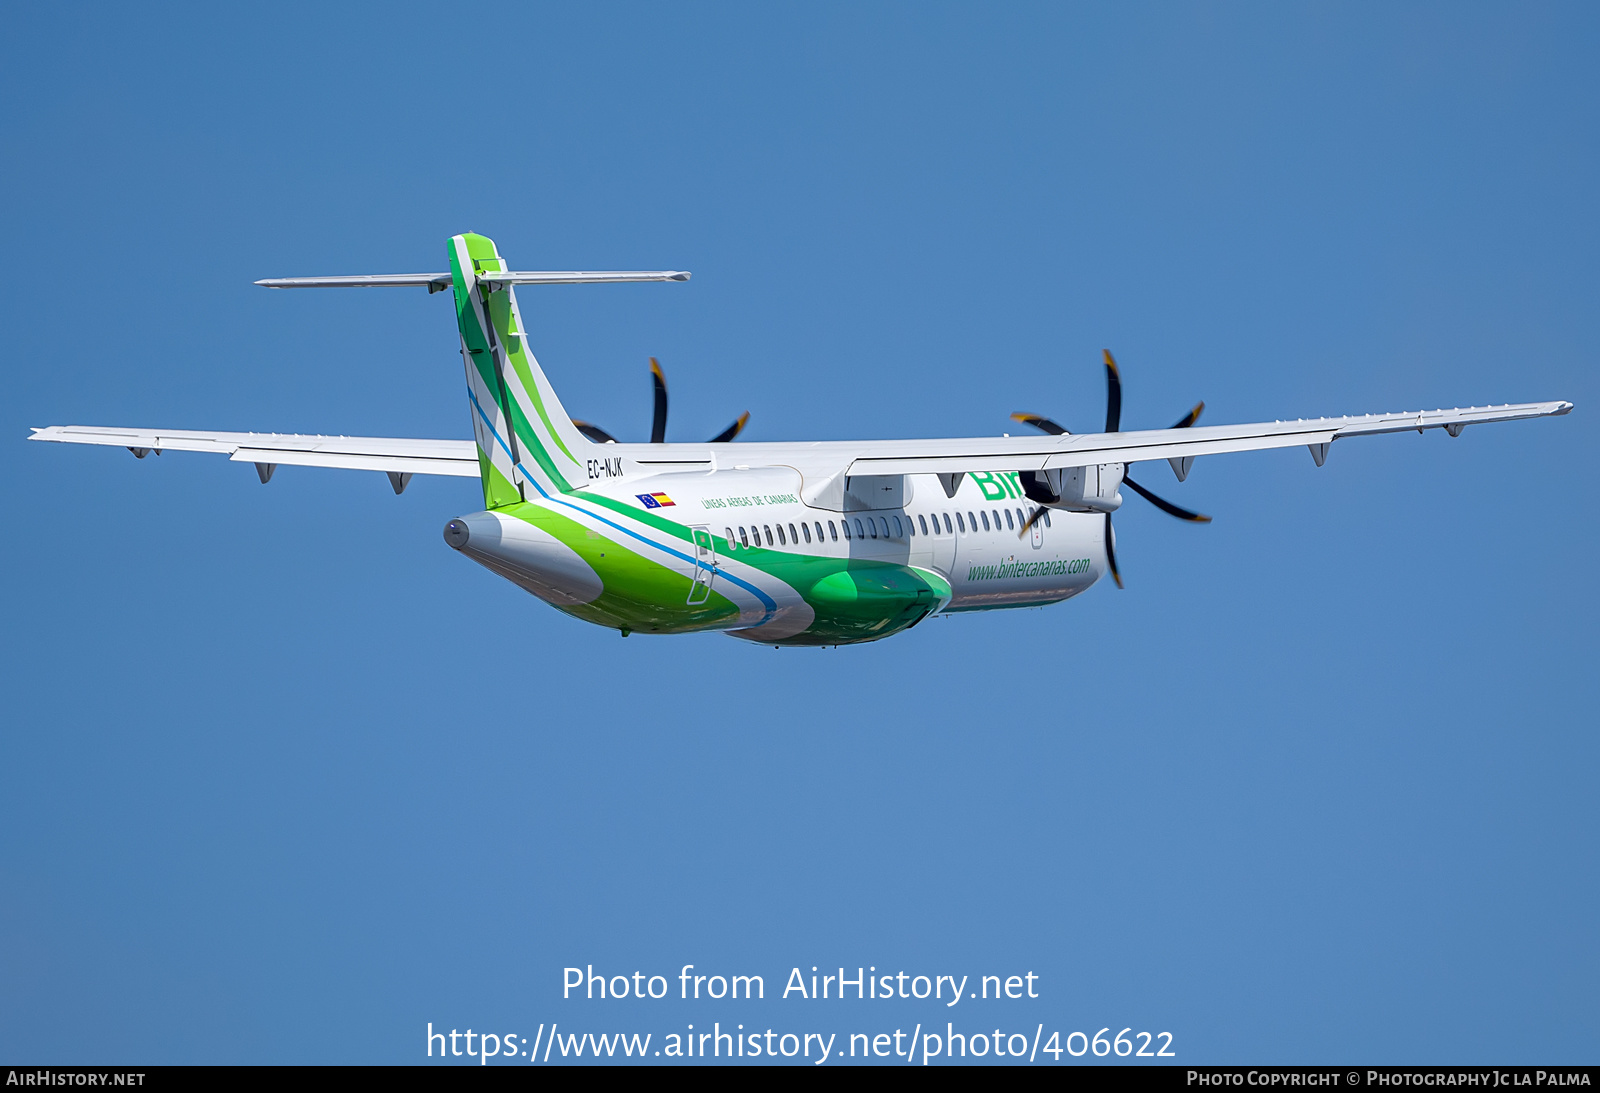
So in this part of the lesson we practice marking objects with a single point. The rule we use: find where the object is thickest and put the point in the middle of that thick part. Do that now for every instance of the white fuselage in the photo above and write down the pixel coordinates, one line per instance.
(971, 539)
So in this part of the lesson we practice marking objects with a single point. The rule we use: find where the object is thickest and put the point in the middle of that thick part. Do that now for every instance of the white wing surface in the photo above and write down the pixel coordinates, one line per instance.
(1045, 452)
(943, 456)
(393, 454)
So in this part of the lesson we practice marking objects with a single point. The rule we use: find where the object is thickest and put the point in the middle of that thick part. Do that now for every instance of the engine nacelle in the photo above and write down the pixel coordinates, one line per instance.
(1076, 489)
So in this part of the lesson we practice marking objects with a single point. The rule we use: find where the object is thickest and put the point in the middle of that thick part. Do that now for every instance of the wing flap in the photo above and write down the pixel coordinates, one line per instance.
(398, 464)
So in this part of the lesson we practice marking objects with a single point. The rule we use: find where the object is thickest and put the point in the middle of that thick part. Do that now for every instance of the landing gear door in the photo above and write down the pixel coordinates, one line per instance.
(705, 565)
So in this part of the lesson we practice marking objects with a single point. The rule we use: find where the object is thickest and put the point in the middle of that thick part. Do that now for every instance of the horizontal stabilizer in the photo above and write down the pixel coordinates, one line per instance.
(437, 282)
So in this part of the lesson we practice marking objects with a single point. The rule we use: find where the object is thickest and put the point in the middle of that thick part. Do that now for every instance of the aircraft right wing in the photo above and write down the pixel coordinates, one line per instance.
(1086, 449)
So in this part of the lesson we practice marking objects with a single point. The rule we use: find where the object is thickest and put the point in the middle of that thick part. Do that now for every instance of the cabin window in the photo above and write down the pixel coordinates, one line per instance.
(807, 529)
(1020, 519)
(923, 521)
(1046, 517)
(1009, 525)
(819, 530)
(985, 515)
(859, 533)
(961, 523)
(793, 538)
(833, 532)
(781, 540)
(729, 537)
(948, 530)
(846, 524)
(872, 529)
(768, 529)
(972, 522)
(743, 541)
(883, 522)
(898, 532)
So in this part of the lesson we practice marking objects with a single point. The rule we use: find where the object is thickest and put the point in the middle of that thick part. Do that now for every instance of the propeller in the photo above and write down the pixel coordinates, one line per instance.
(1041, 493)
(658, 419)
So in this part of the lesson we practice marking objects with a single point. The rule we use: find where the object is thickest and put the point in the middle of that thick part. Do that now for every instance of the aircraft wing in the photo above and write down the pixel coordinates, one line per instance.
(404, 456)
(1045, 452)
(364, 453)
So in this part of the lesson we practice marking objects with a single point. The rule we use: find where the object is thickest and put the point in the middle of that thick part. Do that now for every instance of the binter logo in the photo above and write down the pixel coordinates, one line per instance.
(998, 485)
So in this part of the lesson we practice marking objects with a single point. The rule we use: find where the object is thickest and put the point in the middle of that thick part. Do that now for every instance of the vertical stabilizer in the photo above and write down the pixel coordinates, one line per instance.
(527, 444)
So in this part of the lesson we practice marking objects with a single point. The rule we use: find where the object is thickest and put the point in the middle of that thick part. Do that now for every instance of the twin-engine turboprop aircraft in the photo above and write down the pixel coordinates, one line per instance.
(824, 543)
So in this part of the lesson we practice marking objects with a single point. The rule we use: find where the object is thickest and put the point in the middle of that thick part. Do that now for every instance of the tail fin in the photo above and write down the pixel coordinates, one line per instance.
(527, 443)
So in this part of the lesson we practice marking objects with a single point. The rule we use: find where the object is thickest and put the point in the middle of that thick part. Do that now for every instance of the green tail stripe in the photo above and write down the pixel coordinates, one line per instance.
(520, 364)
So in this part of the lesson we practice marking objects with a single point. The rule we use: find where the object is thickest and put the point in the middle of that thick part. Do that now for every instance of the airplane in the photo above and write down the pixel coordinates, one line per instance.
(786, 544)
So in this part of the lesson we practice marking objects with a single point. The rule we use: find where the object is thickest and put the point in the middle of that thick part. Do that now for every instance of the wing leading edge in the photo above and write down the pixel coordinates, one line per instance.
(1085, 449)
(395, 455)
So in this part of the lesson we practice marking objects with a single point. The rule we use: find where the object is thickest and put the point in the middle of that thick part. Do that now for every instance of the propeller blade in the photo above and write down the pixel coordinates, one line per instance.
(594, 432)
(1191, 417)
(1111, 551)
(658, 423)
(1113, 394)
(1043, 424)
(1038, 514)
(1165, 506)
(733, 430)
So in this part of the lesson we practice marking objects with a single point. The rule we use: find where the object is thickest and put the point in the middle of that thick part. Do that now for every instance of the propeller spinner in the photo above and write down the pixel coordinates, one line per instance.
(1037, 490)
(658, 419)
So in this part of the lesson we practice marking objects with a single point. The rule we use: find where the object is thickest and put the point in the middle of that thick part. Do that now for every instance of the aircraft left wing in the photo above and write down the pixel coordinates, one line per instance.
(1045, 452)
(397, 456)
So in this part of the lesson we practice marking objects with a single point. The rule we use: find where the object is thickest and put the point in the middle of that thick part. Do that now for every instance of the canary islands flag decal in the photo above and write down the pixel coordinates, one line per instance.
(655, 500)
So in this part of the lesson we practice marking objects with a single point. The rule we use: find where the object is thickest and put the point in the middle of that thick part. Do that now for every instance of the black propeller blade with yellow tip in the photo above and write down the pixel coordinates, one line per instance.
(1043, 424)
(1039, 492)
(1111, 554)
(733, 430)
(1166, 506)
(658, 418)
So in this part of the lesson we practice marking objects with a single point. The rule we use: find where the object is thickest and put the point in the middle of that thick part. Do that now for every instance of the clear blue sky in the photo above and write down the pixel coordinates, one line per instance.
(285, 778)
